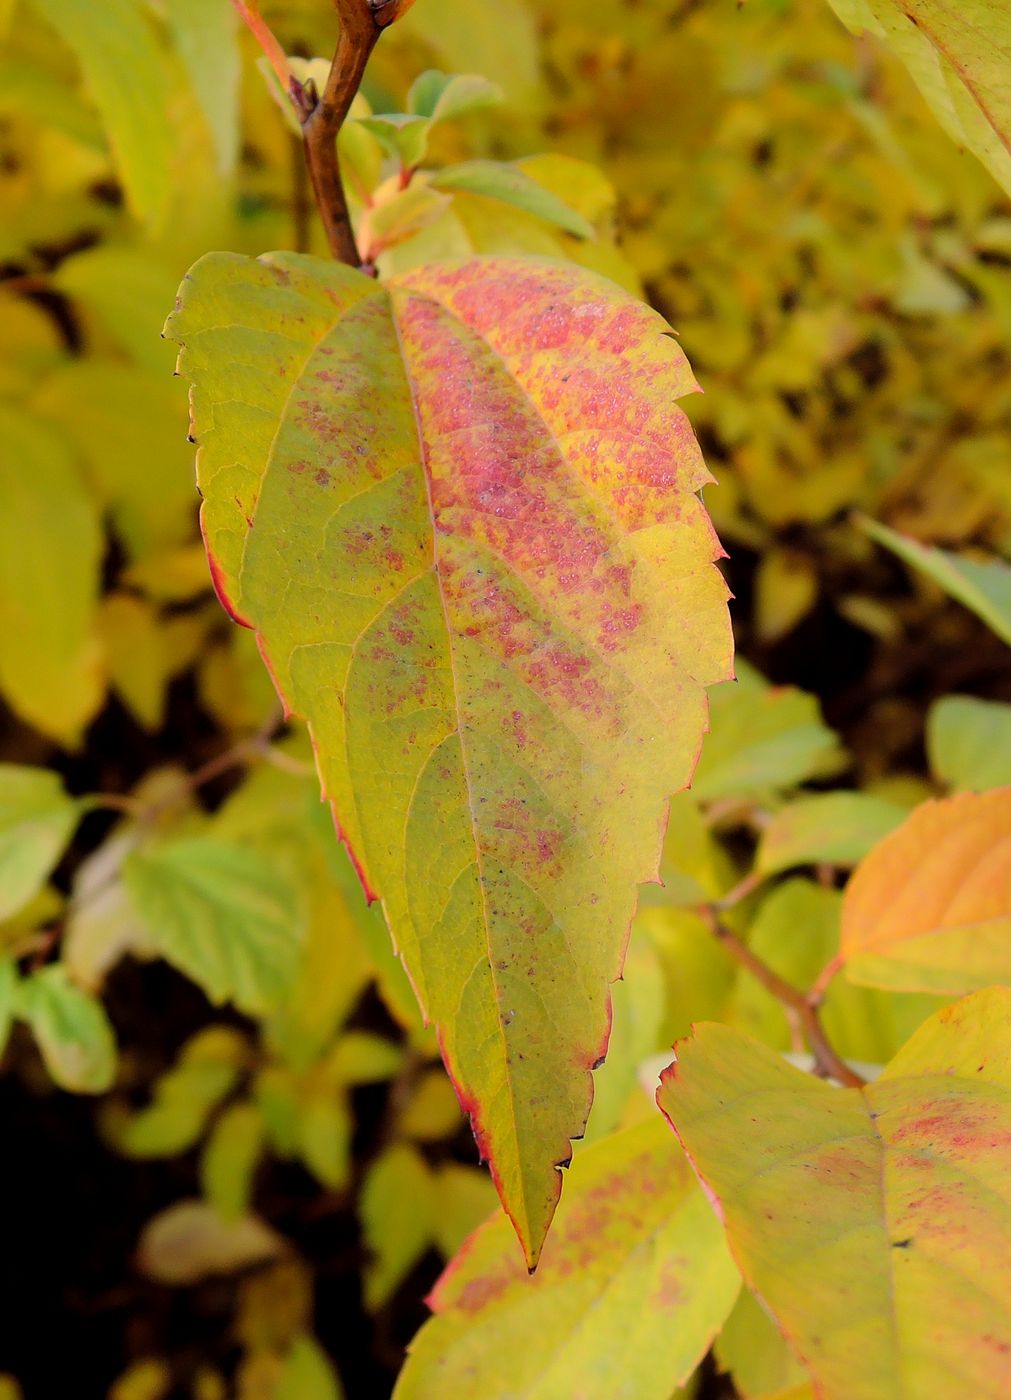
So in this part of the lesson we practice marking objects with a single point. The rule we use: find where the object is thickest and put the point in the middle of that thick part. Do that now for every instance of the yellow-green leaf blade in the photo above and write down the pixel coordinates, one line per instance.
(874, 1223)
(461, 515)
(959, 56)
(36, 819)
(634, 1281)
(126, 75)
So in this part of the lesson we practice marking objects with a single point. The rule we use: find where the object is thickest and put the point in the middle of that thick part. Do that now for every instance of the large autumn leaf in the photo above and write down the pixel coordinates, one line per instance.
(929, 909)
(875, 1223)
(635, 1281)
(958, 52)
(460, 511)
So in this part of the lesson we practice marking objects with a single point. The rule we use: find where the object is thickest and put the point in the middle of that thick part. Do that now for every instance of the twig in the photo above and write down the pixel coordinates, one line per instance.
(321, 115)
(827, 1062)
(249, 12)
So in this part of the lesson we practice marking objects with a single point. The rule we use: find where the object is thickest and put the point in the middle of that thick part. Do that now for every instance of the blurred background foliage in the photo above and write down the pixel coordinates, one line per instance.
(234, 1164)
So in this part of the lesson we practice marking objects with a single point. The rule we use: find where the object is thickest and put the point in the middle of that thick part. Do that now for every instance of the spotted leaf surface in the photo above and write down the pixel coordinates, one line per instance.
(460, 510)
(634, 1282)
(875, 1223)
(929, 909)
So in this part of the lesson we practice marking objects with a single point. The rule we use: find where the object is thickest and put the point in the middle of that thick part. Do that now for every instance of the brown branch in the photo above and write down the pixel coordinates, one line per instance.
(827, 1062)
(321, 115)
(322, 121)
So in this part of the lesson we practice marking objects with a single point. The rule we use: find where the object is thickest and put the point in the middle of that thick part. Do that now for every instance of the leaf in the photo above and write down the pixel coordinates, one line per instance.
(37, 819)
(205, 34)
(127, 78)
(398, 1219)
(969, 742)
(510, 185)
(499, 635)
(9, 993)
(752, 1349)
(837, 828)
(125, 289)
(764, 738)
(464, 1197)
(401, 135)
(71, 1029)
(983, 588)
(223, 915)
(634, 1281)
(207, 1071)
(307, 1374)
(229, 1160)
(441, 96)
(875, 1223)
(930, 907)
(50, 544)
(959, 57)
(189, 1241)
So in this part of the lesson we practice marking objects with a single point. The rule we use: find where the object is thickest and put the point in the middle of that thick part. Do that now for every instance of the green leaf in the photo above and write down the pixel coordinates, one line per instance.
(403, 136)
(498, 627)
(464, 1198)
(71, 1029)
(307, 1374)
(634, 1281)
(229, 1160)
(875, 1223)
(440, 96)
(959, 57)
(969, 743)
(126, 290)
(9, 996)
(223, 915)
(207, 1071)
(126, 75)
(796, 932)
(37, 819)
(752, 1349)
(983, 588)
(510, 185)
(929, 910)
(205, 34)
(50, 550)
(763, 739)
(398, 1219)
(837, 828)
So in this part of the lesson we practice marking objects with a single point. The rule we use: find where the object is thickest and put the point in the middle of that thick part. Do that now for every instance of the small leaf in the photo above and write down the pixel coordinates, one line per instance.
(510, 185)
(763, 739)
(127, 78)
(464, 1197)
(229, 1160)
(875, 1223)
(755, 1353)
(440, 96)
(323, 1130)
(510, 617)
(207, 1070)
(307, 1374)
(969, 743)
(930, 907)
(71, 1029)
(37, 819)
(398, 1219)
(50, 548)
(9, 999)
(405, 137)
(223, 915)
(189, 1241)
(634, 1282)
(984, 588)
(837, 828)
